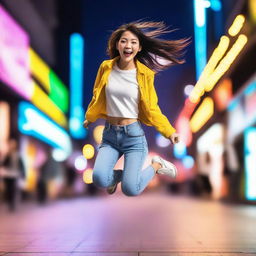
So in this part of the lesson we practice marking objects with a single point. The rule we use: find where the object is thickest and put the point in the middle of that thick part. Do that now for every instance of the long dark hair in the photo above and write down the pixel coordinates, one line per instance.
(156, 53)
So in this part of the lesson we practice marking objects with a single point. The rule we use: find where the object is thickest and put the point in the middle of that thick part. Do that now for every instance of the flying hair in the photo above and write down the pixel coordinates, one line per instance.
(157, 53)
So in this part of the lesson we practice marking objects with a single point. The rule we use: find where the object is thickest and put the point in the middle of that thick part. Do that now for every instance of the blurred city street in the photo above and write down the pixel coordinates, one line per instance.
(149, 225)
(55, 64)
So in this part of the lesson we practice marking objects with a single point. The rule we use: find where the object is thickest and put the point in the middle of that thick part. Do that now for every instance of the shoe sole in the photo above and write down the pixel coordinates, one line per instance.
(112, 190)
(172, 176)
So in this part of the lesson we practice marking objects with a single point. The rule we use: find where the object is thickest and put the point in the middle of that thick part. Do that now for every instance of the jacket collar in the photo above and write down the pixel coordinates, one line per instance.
(141, 68)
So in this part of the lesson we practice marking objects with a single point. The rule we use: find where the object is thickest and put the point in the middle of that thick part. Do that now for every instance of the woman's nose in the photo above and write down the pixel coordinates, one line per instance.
(128, 45)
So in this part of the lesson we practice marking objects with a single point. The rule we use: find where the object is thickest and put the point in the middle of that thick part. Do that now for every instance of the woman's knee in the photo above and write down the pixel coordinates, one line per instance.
(130, 190)
(100, 178)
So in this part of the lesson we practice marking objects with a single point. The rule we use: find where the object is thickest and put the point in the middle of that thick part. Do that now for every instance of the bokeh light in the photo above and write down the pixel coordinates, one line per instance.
(188, 162)
(161, 141)
(97, 133)
(80, 163)
(179, 150)
(188, 89)
(87, 176)
(88, 151)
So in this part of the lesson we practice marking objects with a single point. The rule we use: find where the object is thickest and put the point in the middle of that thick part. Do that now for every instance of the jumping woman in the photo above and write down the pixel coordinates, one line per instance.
(125, 96)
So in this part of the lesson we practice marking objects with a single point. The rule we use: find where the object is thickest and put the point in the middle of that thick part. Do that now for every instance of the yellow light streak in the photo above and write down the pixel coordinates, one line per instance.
(202, 114)
(226, 62)
(217, 54)
(39, 69)
(237, 25)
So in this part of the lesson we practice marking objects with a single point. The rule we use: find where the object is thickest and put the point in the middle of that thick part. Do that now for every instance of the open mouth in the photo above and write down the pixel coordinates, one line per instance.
(127, 53)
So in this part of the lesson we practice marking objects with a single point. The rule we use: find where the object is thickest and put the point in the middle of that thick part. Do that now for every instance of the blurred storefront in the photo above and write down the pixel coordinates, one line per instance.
(34, 102)
(218, 119)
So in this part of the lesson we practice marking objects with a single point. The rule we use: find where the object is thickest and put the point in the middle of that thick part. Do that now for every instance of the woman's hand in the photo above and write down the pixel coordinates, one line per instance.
(86, 123)
(175, 138)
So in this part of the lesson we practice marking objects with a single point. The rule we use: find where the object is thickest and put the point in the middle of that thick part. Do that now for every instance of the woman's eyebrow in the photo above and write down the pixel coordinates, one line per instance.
(133, 39)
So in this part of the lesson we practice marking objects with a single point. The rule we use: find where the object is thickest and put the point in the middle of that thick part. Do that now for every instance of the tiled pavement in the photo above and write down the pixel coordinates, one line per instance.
(149, 225)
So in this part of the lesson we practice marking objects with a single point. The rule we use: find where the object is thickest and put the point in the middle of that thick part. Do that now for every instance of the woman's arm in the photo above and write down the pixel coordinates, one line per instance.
(160, 121)
(95, 87)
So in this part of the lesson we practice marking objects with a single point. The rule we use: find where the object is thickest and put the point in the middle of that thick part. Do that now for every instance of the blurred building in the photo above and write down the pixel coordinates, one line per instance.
(218, 119)
(35, 102)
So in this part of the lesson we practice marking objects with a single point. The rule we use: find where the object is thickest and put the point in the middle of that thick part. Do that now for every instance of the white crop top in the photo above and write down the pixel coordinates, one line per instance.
(122, 93)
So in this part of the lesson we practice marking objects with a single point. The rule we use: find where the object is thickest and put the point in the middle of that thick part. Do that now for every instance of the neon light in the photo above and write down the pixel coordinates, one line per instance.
(217, 54)
(44, 103)
(14, 61)
(202, 114)
(250, 163)
(200, 27)
(59, 155)
(76, 82)
(237, 25)
(39, 69)
(226, 62)
(34, 123)
(242, 108)
(49, 80)
(200, 36)
(216, 5)
(199, 8)
(59, 92)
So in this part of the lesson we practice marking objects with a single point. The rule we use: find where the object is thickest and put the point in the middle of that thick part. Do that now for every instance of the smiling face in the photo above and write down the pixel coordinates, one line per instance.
(128, 47)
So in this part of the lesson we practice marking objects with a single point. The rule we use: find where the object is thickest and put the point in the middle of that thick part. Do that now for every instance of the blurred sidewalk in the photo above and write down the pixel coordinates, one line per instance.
(149, 225)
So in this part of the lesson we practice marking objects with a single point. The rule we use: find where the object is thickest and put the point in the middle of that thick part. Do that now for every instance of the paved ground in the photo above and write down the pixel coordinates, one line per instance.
(149, 225)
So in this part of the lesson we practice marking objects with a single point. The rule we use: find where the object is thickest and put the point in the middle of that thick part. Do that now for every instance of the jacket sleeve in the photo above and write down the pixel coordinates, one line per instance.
(95, 87)
(159, 120)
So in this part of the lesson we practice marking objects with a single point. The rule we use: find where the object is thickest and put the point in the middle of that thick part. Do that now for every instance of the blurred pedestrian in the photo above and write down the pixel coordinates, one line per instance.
(125, 96)
(12, 171)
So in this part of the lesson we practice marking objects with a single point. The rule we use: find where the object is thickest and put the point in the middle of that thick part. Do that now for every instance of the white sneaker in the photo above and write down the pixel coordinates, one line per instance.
(167, 167)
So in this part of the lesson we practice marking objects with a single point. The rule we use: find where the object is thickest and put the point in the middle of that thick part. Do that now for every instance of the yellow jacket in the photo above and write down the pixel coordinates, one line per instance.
(149, 111)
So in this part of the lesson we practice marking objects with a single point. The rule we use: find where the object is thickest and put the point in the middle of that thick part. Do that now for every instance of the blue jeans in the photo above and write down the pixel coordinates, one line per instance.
(130, 141)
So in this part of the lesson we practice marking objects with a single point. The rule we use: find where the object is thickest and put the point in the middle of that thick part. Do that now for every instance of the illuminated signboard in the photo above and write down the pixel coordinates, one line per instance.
(250, 163)
(76, 84)
(242, 109)
(56, 90)
(14, 59)
(34, 123)
(18, 61)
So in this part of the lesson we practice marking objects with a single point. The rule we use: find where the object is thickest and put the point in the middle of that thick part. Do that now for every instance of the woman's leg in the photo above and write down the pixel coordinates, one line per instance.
(103, 172)
(134, 179)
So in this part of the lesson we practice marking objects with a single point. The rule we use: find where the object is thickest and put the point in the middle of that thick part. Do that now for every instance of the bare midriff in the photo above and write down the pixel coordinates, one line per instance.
(120, 120)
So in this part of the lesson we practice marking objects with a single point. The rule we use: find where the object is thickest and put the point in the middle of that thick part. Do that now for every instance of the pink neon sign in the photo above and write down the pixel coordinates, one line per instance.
(14, 56)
